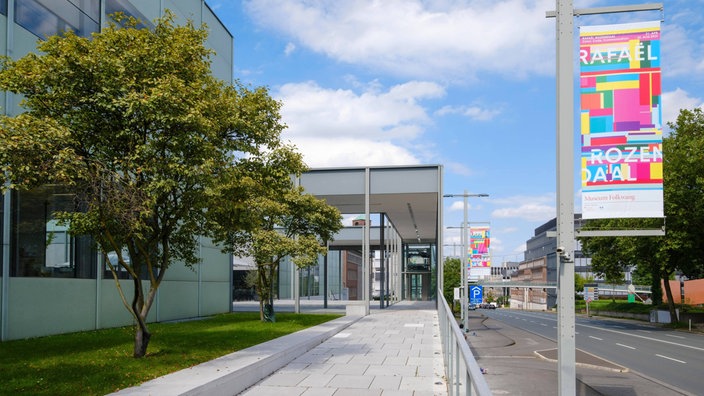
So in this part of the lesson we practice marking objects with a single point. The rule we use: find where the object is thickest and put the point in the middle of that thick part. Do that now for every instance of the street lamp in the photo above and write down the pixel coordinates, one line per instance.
(463, 261)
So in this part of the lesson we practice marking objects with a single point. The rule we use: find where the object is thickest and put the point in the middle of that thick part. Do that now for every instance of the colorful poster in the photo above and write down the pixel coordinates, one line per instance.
(480, 242)
(621, 121)
(479, 254)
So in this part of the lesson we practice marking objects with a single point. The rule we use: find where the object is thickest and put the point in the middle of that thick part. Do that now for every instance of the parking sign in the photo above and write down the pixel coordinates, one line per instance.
(475, 294)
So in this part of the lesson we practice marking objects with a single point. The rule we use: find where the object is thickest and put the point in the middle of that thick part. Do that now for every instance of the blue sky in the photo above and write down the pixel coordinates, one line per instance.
(469, 84)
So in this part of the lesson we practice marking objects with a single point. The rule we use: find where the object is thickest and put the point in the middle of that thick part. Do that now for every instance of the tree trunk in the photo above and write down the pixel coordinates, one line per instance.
(140, 309)
(670, 300)
(141, 341)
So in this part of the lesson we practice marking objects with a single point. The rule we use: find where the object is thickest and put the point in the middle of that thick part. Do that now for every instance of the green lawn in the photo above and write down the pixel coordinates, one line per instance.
(100, 362)
(624, 306)
(614, 306)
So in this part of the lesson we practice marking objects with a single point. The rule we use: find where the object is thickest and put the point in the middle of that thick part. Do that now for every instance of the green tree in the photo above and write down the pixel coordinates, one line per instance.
(135, 125)
(452, 278)
(281, 219)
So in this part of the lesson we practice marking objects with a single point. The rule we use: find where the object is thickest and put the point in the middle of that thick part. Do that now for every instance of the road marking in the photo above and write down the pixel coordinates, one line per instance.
(596, 338)
(645, 338)
(669, 358)
(543, 324)
(675, 336)
(625, 346)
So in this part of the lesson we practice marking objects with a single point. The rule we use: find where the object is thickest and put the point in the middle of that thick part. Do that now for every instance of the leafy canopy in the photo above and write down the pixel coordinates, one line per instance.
(133, 122)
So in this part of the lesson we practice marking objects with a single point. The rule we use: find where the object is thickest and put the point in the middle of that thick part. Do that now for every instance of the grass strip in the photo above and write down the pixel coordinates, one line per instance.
(100, 362)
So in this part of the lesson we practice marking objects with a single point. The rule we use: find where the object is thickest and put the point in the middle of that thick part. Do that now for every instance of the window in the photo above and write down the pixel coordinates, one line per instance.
(46, 18)
(125, 7)
(40, 246)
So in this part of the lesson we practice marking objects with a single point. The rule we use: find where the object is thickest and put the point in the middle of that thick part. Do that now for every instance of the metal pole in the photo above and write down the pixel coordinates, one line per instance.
(325, 275)
(465, 272)
(565, 198)
(564, 15)
(382, 259)
(366, 249)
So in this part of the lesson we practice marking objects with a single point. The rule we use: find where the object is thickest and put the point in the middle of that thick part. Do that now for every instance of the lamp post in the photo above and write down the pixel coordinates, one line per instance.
(465, 250)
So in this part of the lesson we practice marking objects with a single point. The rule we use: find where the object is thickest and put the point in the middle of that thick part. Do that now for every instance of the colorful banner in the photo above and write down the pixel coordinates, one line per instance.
(480, 242)
(621, 121)
(479, 254)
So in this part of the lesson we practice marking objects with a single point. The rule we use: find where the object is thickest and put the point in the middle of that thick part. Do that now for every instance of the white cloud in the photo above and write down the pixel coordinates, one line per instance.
(473, 112)
(678, 99)
(310, 110)
(530, 208)
(290, 48)
(345, 152)
(446, 40)
(342, 127)
(458, 205)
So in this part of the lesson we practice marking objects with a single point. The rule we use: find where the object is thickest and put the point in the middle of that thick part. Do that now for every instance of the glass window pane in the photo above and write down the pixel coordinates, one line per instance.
(40, 246)
(50, 17)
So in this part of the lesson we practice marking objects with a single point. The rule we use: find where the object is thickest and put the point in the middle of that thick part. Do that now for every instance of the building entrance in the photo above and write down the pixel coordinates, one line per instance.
(417, 286)
(419, 265)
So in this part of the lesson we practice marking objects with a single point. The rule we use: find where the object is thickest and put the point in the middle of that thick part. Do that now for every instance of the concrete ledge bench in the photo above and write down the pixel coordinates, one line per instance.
(233, 373)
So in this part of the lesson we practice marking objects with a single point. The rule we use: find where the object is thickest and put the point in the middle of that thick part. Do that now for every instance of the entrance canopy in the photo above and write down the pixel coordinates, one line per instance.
(409, 196)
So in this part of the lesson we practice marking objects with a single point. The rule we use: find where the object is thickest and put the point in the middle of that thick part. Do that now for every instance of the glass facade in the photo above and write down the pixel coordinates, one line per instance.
(38, 245)
(420, 267)
(50, 17)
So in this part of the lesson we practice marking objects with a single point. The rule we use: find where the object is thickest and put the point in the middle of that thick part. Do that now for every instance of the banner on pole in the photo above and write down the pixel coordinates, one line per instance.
(621, 121)
(480, 258)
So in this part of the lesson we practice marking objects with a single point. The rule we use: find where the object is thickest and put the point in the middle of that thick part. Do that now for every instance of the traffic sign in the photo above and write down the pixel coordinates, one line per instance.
(476, 294)
(591, 292)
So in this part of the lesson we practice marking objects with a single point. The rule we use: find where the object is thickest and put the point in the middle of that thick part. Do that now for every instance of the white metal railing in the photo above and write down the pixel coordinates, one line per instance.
(464, 376)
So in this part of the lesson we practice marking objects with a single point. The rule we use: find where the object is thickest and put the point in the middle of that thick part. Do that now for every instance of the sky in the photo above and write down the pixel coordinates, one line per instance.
(467, 84)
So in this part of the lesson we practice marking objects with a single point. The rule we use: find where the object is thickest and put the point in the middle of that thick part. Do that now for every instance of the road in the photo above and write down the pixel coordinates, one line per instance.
(669, 356)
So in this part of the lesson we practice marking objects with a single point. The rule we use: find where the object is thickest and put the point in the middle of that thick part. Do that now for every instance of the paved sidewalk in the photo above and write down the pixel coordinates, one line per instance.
(394, 351)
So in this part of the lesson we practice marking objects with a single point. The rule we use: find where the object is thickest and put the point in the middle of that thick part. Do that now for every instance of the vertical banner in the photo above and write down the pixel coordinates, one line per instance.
(480, 259)
(621, 121)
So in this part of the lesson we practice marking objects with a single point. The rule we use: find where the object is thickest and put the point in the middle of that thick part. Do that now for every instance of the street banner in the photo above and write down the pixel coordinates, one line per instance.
(479, 254)
(621, 121)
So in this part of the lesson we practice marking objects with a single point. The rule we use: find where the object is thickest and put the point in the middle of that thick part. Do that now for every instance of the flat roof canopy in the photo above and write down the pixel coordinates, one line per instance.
(408, 195)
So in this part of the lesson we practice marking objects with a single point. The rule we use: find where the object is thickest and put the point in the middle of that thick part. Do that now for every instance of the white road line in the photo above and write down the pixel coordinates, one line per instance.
(675, 336)
(669, 358)
(543, 324)
(596, 338)
(625, 346)
(646, 338)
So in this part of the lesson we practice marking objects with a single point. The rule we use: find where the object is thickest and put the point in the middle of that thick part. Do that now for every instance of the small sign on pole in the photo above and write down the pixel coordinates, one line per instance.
(475, 294)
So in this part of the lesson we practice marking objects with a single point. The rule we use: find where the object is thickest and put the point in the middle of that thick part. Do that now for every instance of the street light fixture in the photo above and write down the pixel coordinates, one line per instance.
(465, 248)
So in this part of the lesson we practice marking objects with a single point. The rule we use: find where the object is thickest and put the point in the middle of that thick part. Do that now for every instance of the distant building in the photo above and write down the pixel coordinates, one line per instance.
(540, 267)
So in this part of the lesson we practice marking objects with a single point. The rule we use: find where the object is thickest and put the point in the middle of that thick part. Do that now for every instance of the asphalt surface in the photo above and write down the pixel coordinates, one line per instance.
(517, 362)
